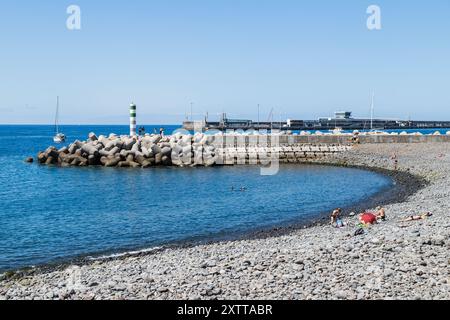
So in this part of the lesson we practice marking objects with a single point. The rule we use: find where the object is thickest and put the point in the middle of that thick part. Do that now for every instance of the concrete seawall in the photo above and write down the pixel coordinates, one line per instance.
(239, 150)
(284, 154)
(289, 140)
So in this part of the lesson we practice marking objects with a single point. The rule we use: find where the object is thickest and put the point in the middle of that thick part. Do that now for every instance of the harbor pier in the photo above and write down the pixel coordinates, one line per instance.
(208, 150)
(341, 120)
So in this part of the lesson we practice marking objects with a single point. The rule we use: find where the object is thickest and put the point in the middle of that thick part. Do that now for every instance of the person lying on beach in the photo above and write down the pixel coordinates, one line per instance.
(381, 214)
(367, 218)
(415, 218)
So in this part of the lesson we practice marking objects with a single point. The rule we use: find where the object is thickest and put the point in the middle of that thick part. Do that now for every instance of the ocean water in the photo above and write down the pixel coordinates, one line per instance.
(51, 214)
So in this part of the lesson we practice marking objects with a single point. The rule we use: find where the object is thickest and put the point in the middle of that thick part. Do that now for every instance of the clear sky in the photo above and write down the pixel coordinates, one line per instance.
(305, 59)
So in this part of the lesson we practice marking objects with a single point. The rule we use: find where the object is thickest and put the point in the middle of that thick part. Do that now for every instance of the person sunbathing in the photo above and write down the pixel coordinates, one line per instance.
(420, 217)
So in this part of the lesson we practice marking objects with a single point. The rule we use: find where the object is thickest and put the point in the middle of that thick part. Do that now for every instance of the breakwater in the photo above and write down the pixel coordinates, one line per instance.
(183, 150)
(209, 150)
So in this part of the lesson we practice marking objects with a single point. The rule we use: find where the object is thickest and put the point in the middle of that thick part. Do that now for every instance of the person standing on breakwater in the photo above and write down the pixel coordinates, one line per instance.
(355, 138)
(395, 160)
(161, 132)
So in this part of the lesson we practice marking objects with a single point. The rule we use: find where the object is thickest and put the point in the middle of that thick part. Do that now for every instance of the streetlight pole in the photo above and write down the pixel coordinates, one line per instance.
(258, 117)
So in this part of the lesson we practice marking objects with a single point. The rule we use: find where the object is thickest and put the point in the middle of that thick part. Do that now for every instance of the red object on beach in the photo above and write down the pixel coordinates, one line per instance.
(369, 218)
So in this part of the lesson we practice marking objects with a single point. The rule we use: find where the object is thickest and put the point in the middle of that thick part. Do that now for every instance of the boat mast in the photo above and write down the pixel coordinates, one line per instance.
(371, 110)
(57, 114)
(270, 119)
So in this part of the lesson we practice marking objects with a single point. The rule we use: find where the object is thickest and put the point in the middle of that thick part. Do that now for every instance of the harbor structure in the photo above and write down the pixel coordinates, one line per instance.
(132, 120)
(341, 120)
(201, 149)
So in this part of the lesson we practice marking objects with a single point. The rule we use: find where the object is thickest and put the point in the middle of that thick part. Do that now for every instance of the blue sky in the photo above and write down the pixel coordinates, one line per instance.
(305, 59)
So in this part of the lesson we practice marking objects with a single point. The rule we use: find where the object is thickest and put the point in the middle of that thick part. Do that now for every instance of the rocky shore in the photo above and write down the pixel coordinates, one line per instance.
(392, 260)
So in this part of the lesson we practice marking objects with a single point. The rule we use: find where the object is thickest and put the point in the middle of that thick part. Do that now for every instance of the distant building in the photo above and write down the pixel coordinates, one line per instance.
(341, 120)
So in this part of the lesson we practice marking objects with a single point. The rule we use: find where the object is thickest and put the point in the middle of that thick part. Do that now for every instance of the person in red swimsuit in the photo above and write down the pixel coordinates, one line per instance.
(368, 218)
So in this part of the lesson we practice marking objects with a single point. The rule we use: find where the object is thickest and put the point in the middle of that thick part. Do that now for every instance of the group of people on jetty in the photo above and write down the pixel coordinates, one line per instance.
(367, 219)
(142, 132)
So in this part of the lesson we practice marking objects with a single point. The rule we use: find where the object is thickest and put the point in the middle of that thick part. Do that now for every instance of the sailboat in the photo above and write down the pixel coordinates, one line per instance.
(59, 137)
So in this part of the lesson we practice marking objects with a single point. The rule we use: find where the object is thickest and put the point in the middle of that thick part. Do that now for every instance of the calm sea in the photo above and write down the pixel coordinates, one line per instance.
(50, 214)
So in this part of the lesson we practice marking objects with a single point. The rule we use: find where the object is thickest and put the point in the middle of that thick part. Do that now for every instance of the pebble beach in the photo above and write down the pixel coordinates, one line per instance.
(391, 260)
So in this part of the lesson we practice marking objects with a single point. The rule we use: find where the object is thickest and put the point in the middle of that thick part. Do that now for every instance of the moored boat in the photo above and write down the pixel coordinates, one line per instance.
(59, 136)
